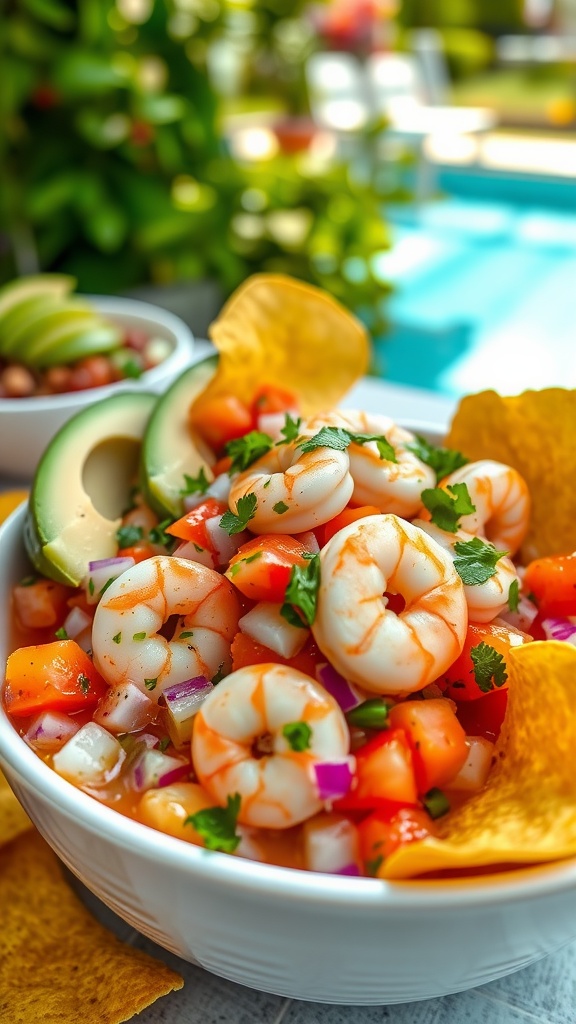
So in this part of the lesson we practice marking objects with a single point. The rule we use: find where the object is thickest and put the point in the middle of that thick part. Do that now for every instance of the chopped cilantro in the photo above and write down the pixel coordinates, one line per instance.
(117, 639)
(371, 714)
(514, 596)
(235, 522)
(107, 584)
(339, 439)
(436, 802)
(245, 450)
(374, 865)
(217, 825)
(139, 636)
(475, 560)
(298, 735)
(83, 682)
(158, 535)
(301, 596)
(188, 633)
(27, 581)
(164, 744)
(489, 667)
(446, 508)
(129, 535)
(290, 430)
(91, 587)
(150, 684)
(442, 460)
(236, 567)
(61, 634)
(195, 484)
(280, 508)
(197, 547)
(219, 675)
(132, 369)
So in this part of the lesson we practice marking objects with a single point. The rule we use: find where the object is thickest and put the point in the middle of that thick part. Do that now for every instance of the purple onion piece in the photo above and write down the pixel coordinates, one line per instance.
(111, 563)
(187, 688)
(333, 779)
(337, 686)
(559, 629)
(174, 775)
(349, 869)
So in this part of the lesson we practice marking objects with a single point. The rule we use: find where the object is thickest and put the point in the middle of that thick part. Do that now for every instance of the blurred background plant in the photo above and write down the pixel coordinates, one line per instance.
(130, 156)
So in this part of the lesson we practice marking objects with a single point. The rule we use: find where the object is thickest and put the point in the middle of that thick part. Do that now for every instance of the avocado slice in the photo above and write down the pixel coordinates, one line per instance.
(34, 334)
(170, 448)
(18, 320)
(92, 339)
(82, 485)
(34, 286)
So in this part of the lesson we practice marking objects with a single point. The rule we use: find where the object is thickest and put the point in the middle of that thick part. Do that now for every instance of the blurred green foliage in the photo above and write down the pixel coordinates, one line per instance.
(113, 167)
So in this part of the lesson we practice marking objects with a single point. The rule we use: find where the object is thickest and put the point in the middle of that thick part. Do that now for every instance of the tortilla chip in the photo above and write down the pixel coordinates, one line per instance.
(533, 432)
(277, 330)
(13, 817)
(9, 500)
(57, 964)
(527, 811)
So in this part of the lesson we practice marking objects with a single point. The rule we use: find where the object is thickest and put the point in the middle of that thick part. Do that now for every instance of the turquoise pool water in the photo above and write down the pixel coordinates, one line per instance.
(485, 286)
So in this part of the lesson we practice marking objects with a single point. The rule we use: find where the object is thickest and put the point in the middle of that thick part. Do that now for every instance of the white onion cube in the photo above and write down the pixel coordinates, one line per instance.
(267, 626)
(474, 772)
(125, 708)
(91, 758)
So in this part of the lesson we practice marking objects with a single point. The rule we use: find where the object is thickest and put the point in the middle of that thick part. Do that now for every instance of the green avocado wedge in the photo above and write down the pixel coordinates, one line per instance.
(82, 485)
(169, 448)
(34, 286)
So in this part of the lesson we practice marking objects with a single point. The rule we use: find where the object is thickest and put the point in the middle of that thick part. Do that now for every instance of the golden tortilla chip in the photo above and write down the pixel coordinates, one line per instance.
(13, 817)
(534, 432)
(280, 331)
(57, 964)
(9, 500)
(527, 811)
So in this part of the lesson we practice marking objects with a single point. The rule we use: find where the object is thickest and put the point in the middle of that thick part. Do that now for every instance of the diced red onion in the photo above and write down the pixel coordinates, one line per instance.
(524, 615)
(50, 730)
(333, 779)
(153, 770)
(198, 686)
(76, 622)
(560, 629)
(267, 626)
(120, 563)
(308, 539)
(190, 551)
(125, 708)
(337, 686)
(91, 758)
(225, 544)
(183, 700)
(349, 869)
(101, 572)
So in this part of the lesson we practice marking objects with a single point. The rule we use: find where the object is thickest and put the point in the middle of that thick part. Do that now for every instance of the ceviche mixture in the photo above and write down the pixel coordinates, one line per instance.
(310, 665)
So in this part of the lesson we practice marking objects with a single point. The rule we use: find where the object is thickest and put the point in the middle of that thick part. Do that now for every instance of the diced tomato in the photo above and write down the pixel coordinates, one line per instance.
(344, 518)
(261, 568)
(139, 552)
(222, 466)
(438, 740)
(461, 677)
(192, 526)
(384, 776)
(270, 398)
(484, 717)
(40, 604)
(221, 419)
(51, 677)
(246, 651)
(381, 833)
(552, 580)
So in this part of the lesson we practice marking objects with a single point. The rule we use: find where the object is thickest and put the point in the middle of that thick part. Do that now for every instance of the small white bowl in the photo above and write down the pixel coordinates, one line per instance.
(28, 424)
(308, 936)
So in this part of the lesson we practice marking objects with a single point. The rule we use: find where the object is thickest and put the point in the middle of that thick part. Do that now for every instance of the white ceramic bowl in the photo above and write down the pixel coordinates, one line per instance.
(294, 933)
(27, 424)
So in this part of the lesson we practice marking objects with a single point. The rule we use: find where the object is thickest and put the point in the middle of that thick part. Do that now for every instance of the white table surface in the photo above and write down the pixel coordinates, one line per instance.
(544, 993)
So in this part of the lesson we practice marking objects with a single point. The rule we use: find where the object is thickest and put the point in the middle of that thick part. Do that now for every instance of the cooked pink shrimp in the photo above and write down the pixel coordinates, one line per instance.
(368, 643)
(391, 486)
(485, 600)
(295, 490)
(502, 503)
(241, 743)
(126, 641)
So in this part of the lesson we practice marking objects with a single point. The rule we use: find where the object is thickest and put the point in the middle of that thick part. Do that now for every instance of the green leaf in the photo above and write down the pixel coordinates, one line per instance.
(489, 667)
(338, 438)
(195, 484)
(280, 508)
(52, 13)
(514, 596)
(301, 597)
(442, 460)
(217, 825)
(476, 560)
(298, 735)
(157, 534)
(128, 535)
(290, 430)
(436, 802)
(245, 450)
(371, 714)
(246, 510)
(446, 508)
(150, 684)
(61, 634)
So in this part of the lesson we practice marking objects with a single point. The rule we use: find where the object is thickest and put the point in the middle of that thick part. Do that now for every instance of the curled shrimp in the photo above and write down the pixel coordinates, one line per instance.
(366, 641)
(390, 486)
(240, 743)
(126, 639)
(295, 490)
(485, 600)
(502, 503)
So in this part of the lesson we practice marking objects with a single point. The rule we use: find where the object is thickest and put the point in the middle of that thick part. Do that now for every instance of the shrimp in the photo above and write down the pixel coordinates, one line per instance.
(391, 486)
(240, 743)
(502, 503)
(295, 490)
(126, 641)
(365, 640)
(485, 600)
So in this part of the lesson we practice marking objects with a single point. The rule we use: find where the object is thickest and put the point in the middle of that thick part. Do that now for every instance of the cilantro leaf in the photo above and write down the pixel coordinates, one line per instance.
(514, 596)
(476, 560)
(339, 439)
(489, 667)
(446, 508)
(61, 634)
(442, 460)
(280, 508)
(301, 596)
(245, 450)
(128, 535)
(195, 484)
(385, 449)
(217, 825)
(298, 735)
(158, 535)
(235, 522)
(290, 430)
